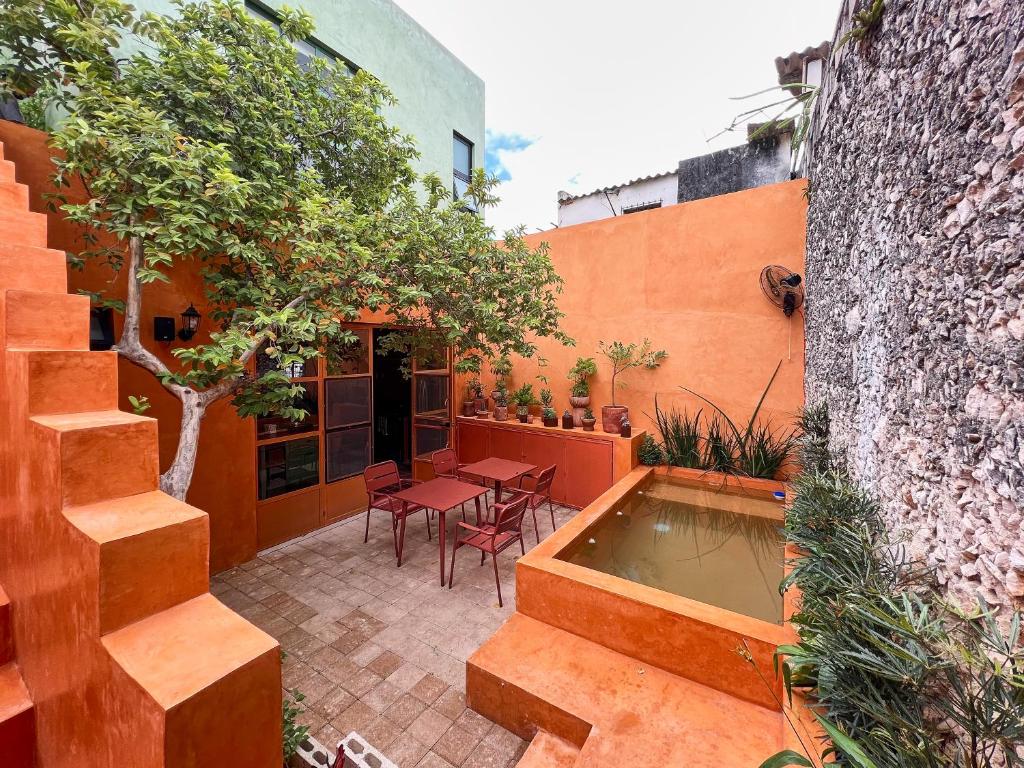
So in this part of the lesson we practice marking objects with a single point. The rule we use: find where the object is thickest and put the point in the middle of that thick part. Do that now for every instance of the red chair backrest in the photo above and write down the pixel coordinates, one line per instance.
(380, 476)
(545, 479)
(510, 514)
(445, 461)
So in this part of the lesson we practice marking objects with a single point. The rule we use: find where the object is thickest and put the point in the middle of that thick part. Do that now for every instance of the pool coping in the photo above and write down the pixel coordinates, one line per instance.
(678, 634)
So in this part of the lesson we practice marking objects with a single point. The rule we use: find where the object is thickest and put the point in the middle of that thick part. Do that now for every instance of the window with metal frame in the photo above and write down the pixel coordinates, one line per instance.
(462, 167)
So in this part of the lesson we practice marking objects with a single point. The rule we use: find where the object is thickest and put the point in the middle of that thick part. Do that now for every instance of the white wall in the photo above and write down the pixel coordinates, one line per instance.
(599, 206)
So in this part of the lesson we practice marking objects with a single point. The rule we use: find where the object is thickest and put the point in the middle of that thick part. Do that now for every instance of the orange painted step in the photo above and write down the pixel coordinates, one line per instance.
(22, 227)
(215, 678)
(6, 631)
(27, 268)
(103, 454)
(17, 720)
(13, 195)
(547, 751)
(66, 382)
(35, 320)
(152, 534)
(618, 711)
(6, 170)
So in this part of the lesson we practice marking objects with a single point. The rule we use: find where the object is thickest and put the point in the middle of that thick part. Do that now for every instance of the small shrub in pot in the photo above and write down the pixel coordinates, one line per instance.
(624, 357)
(588, 420)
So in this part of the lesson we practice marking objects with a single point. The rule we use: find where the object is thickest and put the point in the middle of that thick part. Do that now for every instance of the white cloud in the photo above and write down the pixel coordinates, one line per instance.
(611, 91)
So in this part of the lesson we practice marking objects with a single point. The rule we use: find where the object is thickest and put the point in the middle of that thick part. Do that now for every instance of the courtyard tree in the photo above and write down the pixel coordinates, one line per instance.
(214, 149)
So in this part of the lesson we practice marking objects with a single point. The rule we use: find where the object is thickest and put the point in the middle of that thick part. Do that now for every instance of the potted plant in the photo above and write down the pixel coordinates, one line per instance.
(502, 369)
(523, 398)
(470, 405)
(579, 395)
(479, 401)
(567, 421)
(501, 402)
(623, 357)
(548, 414)
(588, 420)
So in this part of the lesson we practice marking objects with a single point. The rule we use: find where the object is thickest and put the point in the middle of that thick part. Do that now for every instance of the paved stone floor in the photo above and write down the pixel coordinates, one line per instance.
(382, 650)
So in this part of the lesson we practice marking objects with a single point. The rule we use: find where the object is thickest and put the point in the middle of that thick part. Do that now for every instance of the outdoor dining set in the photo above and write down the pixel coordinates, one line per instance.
(497, 527)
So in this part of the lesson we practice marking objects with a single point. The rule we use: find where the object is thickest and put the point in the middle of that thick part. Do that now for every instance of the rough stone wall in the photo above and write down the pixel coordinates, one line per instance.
(731, 170)
(914, 314)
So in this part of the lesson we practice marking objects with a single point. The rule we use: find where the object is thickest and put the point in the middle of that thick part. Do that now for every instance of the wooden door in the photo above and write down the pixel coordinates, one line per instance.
(507, 444)
(474, 442)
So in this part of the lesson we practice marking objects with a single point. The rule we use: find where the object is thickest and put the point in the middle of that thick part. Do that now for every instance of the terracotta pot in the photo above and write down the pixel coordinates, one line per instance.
(550, 422)
(523, 412)
(483, 414)
(501, 413)
(579, 407)
(469, 408)
(588, 425)
(611, 418)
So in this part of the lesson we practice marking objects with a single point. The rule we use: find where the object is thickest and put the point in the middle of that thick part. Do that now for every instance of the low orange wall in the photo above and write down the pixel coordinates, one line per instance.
(687, 277)
(225, 478)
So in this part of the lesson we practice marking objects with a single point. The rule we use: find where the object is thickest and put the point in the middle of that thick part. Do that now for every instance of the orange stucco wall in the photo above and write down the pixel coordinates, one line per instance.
(225, 478)
(687, 277)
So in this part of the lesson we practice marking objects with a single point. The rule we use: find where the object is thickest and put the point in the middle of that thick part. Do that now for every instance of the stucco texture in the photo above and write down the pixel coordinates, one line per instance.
(914, 271)
(687, 277)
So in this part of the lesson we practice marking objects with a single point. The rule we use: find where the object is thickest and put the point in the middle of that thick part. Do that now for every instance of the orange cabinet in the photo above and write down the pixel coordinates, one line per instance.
(588, 462)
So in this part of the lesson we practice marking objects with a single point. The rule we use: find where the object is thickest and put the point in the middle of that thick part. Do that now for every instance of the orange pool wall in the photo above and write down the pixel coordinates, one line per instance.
(687, 277)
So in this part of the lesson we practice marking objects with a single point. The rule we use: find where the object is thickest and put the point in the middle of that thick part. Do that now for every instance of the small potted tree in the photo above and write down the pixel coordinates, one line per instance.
(588, 420)
(548, 414)
(523, 399)
(501, 367)
(470, 405)
(624, 357)
(579, 395)
(501, 402)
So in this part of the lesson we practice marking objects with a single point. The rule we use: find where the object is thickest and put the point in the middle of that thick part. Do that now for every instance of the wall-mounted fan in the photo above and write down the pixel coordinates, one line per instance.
(783, 288)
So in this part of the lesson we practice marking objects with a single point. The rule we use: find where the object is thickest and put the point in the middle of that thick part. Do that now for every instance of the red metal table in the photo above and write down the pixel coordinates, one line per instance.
(442, 494)
(498, 471)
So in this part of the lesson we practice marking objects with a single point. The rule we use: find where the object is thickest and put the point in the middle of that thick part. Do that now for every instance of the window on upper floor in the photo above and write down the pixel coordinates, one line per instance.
(462, 166)
(307, 49)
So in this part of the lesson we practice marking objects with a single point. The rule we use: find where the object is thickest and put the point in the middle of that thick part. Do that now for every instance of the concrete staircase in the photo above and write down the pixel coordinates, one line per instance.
(127, 659)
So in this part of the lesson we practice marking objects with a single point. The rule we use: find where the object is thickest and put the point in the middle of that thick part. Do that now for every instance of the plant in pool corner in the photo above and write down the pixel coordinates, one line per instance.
(139, 404)
(896, 674)
(649, 453)
(681, 437)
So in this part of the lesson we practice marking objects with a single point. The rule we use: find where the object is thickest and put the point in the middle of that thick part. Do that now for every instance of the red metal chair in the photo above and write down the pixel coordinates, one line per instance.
(446, 464)
(539, 489)
(381, 481)
(492, 538)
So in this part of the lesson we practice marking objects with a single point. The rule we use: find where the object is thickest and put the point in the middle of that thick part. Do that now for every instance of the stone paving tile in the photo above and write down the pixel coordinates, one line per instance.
(378, 649)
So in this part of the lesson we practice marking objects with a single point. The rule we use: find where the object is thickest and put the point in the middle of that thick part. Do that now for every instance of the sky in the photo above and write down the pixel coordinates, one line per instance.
(583, 94)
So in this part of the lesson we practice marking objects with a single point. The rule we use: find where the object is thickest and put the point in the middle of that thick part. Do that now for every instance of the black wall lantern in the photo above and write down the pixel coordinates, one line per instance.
(189, 323)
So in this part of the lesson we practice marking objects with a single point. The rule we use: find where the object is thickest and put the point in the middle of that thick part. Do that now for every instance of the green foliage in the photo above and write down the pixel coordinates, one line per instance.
(580, 374)
(546, 398)
(293, 734)
(756, 450)
(898, 675)
(865, 21)
(139, 404)
(790, 113)
(626, 356)
(549, 413)
(813, 452)
(473, 387)
(524, 396)
(588, 414)
(284, 186)
(501, 367)
(649, 452)
(681, 437)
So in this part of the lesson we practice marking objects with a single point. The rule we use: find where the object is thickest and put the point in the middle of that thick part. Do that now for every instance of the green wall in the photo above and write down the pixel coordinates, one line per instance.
(437, 94)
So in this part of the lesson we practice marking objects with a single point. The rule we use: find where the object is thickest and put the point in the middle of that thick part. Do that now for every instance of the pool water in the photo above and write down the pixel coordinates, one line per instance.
(723, 549)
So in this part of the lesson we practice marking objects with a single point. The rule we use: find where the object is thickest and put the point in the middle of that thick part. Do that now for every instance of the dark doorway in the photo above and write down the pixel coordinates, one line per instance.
(392, 407)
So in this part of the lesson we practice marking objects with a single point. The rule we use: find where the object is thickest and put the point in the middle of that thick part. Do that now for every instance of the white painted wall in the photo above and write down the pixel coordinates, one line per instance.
(599, 206)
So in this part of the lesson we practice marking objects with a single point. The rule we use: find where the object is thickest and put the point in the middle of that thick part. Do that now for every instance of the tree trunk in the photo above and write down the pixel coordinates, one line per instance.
(178, 477)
